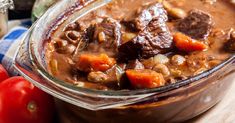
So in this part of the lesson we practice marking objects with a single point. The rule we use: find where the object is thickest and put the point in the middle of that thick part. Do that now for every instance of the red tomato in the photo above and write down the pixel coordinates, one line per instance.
(3, 74)
(22, 102)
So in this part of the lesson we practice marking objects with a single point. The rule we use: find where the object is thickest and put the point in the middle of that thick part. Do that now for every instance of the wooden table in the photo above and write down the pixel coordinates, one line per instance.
(223, 112)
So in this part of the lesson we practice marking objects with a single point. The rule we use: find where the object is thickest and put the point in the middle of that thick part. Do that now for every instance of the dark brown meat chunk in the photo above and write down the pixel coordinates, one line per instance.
(230, 45)
(135, 64)
(129, 50)
(154, 39)
(158, 39)
(198, 24)
(155, 11)
(108, 32)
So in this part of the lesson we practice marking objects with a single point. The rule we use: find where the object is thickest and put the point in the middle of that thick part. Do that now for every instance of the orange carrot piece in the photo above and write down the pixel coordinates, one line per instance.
(91, 62)
(187, 44)
(145, 78)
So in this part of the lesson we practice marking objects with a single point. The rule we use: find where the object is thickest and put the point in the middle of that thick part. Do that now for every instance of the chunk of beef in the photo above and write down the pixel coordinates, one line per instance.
(85, 38)
(198, 24)
(108, 32)
(159, 39)
(155, 11)
(230, 45)
(135, 64)
(129, 50)
(155, 39)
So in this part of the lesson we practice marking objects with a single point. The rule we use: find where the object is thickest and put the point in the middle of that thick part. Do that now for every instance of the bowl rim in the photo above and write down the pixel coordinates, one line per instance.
(120, 93)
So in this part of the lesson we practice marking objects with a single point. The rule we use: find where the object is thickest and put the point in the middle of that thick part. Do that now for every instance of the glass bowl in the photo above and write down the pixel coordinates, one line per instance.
(172, 103)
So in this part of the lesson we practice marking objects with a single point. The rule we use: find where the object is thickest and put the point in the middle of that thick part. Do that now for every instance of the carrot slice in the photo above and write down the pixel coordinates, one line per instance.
(145, 78)
(91, 62)
(187, 44)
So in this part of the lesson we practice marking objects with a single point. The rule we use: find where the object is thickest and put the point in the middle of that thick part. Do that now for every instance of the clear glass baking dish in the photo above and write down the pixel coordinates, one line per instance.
(172, 103)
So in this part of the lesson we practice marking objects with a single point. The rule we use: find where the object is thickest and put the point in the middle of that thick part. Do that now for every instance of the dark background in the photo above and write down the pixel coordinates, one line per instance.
(22, 9)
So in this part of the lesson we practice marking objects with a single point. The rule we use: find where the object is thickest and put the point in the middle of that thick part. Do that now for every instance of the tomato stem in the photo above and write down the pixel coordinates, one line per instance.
(32, 106)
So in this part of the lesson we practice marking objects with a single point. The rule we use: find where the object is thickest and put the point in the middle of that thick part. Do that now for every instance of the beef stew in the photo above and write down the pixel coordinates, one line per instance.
(148, 45)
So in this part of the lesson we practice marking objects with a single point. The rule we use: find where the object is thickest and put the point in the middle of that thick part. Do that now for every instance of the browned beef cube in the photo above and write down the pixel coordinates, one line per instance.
(129, 50)
(198, 24)
(148, 43)
(108, 32)
(154, 39)
(147, 15)
(158, 39)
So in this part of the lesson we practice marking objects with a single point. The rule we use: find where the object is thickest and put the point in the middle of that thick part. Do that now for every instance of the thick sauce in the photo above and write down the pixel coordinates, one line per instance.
(102, 36)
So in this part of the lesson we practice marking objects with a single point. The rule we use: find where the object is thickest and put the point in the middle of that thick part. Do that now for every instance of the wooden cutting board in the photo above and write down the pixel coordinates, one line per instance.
(223, 112)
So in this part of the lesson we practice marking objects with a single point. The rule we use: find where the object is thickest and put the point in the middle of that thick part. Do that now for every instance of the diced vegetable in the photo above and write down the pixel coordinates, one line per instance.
(127, 37)
(91, 62)
(54, 66)
(101, 37)
(145, 78)
(187, 44)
